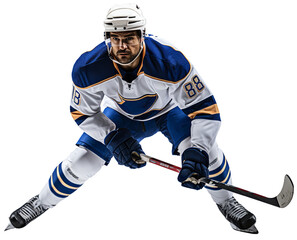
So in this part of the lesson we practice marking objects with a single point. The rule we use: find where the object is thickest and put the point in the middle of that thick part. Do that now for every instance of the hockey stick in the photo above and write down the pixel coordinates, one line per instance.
(281, 200)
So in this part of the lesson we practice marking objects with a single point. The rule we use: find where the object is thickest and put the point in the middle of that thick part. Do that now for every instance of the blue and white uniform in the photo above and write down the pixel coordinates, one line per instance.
(163, 83)
(163, 94)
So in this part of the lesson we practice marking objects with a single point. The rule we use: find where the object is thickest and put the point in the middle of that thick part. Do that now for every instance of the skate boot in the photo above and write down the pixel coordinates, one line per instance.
(240, 219)
(26, 213)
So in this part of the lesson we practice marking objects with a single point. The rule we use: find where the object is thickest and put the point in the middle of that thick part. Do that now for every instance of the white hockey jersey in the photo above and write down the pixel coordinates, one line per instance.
(163, 80)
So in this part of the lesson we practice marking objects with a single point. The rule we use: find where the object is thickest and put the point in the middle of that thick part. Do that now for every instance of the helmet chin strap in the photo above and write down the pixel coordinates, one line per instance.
(123, 64)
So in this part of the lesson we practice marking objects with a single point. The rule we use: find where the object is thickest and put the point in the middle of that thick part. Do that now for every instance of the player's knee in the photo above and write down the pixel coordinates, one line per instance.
(82, 164)
(215, 154)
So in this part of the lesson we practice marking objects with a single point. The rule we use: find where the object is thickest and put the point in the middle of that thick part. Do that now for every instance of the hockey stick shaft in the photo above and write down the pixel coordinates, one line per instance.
(281, 200)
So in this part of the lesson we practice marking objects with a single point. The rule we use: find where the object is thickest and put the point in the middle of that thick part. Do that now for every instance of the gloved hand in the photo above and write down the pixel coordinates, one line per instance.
(194, 166)
(122, 144)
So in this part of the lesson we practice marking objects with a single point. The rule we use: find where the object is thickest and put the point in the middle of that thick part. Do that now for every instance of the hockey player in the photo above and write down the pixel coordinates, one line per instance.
(149, 86)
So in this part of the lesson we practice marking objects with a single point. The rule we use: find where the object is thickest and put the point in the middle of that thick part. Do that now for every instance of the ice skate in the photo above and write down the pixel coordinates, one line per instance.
(26, 213)
(240, 219)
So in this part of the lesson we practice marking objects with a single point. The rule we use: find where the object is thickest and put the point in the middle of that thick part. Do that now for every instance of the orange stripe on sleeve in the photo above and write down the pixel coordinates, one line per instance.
(213, 109)
(77, 114)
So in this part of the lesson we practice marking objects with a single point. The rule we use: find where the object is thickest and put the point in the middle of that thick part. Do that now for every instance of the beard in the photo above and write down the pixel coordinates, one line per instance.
(124, 56)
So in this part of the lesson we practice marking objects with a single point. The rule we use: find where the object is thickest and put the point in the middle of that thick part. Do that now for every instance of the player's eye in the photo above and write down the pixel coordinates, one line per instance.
(129, 38)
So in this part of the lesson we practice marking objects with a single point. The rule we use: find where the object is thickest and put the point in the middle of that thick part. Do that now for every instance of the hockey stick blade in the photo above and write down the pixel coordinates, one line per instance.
(281, 200)
(286, 194)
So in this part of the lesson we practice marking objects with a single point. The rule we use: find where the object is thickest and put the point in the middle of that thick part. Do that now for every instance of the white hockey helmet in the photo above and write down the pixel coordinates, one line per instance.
(124, 17)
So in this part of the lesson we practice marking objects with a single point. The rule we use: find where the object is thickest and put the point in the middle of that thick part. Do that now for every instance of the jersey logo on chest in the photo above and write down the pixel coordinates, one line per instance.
(137, 106)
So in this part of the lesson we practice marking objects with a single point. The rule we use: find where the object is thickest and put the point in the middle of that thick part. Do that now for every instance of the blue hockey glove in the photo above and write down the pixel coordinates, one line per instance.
(122, 144)
(194, 165)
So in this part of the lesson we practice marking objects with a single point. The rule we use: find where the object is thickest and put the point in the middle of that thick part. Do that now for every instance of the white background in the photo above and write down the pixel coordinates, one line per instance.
(246, 53)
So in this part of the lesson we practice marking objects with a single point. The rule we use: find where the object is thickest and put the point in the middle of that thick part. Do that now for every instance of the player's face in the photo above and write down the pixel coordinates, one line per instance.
(125, 45)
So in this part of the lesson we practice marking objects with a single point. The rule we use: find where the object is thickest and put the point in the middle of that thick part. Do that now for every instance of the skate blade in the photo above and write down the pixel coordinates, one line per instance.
(252, 229)
(9, 227)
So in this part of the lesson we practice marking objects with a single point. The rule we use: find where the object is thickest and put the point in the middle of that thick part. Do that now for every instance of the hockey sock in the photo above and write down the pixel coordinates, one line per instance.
(60, 185)
(219, 170)
(69, 175)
